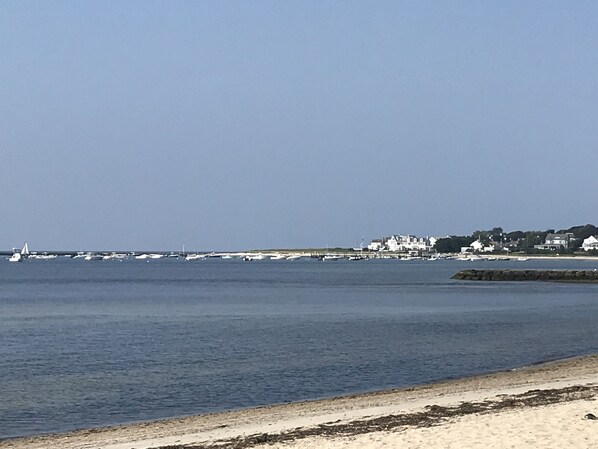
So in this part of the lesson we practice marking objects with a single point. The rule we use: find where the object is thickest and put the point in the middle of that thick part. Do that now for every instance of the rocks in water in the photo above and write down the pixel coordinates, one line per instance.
(528, 275)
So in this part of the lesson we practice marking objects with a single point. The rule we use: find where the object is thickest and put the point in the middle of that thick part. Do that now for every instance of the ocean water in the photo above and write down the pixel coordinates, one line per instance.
(86, 344)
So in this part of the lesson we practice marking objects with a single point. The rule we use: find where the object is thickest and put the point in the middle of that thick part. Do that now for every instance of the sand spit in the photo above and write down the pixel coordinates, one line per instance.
(538, 406)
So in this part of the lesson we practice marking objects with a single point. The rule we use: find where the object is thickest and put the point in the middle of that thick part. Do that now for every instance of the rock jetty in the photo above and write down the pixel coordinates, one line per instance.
(528, 275)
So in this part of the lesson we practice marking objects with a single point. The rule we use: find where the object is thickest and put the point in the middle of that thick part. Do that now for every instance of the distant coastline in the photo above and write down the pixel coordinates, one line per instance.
(308, 252)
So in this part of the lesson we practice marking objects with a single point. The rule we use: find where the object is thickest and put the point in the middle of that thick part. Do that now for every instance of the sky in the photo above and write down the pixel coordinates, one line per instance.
(231, 125)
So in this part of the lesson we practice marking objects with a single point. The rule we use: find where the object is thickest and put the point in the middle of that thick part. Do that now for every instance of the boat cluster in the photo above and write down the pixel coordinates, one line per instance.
(476, 258)
(20, 254)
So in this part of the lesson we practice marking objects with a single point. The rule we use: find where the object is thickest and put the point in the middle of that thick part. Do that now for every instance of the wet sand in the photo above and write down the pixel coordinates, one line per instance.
(538, 406)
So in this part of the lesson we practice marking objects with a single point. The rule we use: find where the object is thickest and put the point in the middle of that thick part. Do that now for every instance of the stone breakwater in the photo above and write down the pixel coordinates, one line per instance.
(528, 275)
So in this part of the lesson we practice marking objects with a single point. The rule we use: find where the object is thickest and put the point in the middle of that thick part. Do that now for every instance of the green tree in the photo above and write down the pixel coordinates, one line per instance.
(515, 235)
(497, 234)
(453, 244)
(482, 236)
(582, 232)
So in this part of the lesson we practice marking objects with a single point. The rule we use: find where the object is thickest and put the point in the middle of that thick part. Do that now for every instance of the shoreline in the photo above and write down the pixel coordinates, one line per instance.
(353, 416)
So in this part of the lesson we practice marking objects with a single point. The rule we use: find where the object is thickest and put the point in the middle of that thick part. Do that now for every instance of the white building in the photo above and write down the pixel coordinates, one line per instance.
(590, 243)
(554, 242)
(403, 244)
(478, 247)
(375, 245)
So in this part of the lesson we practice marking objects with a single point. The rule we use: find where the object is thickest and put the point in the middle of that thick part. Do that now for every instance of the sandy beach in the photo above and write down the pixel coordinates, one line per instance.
(544, 405)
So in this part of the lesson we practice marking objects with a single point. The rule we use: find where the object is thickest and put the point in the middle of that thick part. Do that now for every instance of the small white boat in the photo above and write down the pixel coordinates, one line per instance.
(16, 257)
(92, 256)
(523, 259)
(277, 257)
(331, 257)
(43, 256)
(294, 257)
(114, 256)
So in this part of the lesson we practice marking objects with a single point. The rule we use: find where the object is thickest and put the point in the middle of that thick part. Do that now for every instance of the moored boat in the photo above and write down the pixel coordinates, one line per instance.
(19, 255)
(16, 257)
(93, 256)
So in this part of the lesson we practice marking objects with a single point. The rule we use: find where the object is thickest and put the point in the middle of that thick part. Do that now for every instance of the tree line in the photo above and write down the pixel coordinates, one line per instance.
(515, 241)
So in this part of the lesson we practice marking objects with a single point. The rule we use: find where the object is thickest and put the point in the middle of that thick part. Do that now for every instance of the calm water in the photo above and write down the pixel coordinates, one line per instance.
(97, 343)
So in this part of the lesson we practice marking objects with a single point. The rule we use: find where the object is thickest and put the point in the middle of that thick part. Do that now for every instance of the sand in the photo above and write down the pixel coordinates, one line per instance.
(539, 406)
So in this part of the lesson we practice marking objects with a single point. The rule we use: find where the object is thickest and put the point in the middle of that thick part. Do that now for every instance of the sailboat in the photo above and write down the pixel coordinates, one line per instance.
(25, 251)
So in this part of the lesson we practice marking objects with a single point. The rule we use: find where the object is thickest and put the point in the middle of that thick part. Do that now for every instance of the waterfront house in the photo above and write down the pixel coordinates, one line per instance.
(591, 243)
(375, 245)
(408, 243)
(403, 244)
(555, 242)
(478, 246)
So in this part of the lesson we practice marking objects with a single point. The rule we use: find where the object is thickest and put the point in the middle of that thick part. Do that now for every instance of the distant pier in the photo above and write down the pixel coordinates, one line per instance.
(589, 276)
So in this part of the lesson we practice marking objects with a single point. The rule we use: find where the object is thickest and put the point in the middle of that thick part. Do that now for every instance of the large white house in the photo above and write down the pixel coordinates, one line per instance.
(590, 243)
(554, 242)
(403, 244)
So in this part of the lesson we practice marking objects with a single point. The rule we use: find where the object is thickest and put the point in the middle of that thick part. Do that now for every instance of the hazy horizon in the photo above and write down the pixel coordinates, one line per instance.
(241, 125)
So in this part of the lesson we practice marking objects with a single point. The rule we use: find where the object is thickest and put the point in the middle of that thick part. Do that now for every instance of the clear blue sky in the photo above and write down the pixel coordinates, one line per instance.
(254, 124)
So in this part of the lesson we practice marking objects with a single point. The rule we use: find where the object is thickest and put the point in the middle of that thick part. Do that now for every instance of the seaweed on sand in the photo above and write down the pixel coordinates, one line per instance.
(433, 415)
